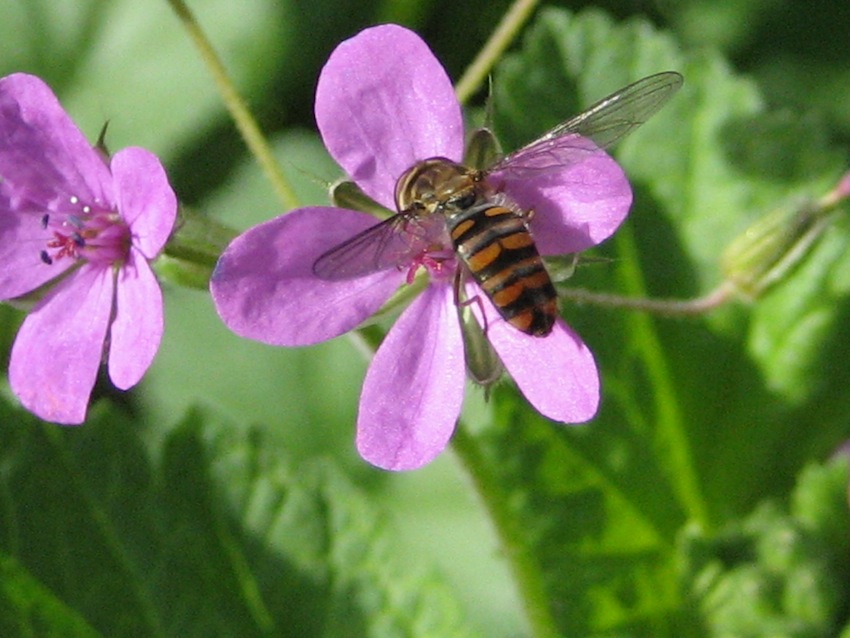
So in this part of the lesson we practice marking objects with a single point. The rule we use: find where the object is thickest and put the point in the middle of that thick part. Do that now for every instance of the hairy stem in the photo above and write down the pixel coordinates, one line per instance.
(493, 49)
(663, 307)
(242, 117)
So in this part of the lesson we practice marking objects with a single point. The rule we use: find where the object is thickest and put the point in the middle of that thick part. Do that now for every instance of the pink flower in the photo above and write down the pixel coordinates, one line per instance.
(85, 230)
(383, 103)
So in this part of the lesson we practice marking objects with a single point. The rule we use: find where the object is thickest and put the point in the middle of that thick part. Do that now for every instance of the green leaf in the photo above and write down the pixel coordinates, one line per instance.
(591, 512)
(207, 532)
(725, 24)
(778, 573)
(28, 609)
(700, 177)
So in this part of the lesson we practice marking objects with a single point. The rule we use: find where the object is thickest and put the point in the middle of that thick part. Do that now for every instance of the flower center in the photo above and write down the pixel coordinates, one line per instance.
(439, 264)
(83, 231)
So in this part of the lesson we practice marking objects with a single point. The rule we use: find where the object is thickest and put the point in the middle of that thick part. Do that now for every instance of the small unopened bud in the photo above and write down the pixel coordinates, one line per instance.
(777, 242)
(770, 247)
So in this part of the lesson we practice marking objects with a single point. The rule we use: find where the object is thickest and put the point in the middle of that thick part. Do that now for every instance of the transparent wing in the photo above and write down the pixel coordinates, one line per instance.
(391, 243)
(612, 118)
(604, 124)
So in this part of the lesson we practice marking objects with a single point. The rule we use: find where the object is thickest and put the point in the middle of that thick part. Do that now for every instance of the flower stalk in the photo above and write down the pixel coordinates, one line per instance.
(760, 257)
(722, 294)
(235, 104)
(192, 251)
(493, 49)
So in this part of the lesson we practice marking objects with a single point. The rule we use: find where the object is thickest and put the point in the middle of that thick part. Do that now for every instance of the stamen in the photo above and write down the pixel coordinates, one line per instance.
(434, 263)
(86, 232)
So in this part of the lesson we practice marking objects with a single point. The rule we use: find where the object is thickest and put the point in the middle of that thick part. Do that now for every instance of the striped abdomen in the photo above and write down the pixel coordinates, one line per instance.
(494, 243)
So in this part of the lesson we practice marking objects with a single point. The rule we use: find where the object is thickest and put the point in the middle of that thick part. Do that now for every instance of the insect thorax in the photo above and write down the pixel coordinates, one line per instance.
(438, 185)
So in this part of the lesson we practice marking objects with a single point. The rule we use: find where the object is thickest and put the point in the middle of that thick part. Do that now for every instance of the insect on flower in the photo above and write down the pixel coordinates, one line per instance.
(395, 127)
(489, 232)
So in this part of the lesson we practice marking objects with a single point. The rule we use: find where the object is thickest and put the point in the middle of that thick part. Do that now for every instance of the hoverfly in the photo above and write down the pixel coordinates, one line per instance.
(488, 232)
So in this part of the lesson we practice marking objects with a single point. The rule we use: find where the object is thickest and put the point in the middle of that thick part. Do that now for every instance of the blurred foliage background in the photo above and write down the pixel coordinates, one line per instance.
(131, 64)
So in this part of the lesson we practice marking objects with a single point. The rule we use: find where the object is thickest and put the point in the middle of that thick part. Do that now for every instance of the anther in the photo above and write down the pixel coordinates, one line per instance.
(46, 258)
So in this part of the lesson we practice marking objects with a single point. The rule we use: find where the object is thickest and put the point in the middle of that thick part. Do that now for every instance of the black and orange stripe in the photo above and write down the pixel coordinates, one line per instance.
(499, 251)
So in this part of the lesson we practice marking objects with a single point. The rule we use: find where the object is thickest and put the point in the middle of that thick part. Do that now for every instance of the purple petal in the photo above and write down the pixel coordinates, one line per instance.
(137, 326)
(144, 198)
(384, 102)
(59, 347)
(413, 390)
(44, 161)
(44, 158)
(556, 373)
(579, 195)
(264, 287)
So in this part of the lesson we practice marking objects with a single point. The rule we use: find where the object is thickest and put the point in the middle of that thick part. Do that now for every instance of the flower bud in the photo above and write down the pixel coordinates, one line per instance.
(774, 244)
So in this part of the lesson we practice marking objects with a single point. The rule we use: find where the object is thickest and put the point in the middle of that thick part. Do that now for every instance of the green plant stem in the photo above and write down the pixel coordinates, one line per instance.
(527, 575)
(493, 49)
(242, 117)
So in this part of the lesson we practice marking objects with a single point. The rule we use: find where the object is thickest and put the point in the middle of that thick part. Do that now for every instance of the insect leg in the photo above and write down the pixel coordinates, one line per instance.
(460, 276)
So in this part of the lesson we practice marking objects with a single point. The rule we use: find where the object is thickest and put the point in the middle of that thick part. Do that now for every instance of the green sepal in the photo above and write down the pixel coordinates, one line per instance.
(347, 194)
(482, 149)
(193, 250)
(483, 364)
